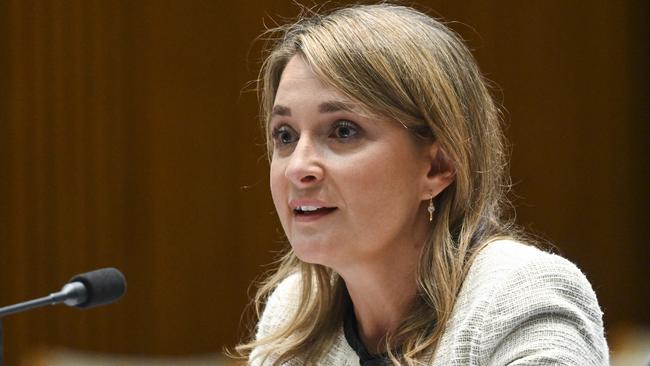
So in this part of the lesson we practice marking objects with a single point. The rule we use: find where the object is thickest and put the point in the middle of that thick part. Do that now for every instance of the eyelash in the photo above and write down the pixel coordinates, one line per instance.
(277, 132)
(347, 124)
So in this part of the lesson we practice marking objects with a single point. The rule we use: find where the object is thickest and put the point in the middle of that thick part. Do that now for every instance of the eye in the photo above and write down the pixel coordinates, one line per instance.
(284, 135)
(345, 130)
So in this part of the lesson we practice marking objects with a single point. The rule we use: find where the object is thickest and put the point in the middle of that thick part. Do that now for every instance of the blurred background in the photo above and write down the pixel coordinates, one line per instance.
(128, 138)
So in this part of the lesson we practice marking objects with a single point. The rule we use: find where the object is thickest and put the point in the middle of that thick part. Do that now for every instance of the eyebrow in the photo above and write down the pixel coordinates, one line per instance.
(334, 106)
(280, 110)
(325, 107)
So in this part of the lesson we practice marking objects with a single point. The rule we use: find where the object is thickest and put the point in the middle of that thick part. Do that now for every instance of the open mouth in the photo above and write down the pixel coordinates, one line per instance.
(312, 210)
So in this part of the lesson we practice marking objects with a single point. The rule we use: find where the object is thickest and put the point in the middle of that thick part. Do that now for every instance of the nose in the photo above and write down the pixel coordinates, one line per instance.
(305, 166)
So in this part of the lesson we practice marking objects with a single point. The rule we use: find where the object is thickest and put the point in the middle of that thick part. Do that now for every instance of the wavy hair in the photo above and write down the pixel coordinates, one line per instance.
(400, 63)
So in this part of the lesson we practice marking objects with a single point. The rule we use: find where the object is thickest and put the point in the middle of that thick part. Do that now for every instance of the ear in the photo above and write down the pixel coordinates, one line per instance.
(441, 172)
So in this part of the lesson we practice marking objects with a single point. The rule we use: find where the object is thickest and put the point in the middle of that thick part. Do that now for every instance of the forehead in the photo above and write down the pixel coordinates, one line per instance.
(297, 77)
(299, 84)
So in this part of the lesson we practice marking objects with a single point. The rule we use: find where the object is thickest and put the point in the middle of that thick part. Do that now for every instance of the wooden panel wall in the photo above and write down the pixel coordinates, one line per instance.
(126, 140)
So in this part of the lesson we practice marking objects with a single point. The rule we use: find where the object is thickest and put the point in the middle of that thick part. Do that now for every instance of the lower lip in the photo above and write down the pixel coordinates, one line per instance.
(312, 217)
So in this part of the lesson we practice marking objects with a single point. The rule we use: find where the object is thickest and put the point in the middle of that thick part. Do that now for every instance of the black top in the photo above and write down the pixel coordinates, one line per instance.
(352, 337)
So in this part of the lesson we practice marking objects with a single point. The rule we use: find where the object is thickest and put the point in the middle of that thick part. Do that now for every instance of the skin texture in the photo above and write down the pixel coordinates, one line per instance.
(328, 152)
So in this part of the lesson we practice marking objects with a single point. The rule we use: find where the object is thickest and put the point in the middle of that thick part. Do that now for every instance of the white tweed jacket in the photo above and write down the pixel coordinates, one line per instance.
(518, 306)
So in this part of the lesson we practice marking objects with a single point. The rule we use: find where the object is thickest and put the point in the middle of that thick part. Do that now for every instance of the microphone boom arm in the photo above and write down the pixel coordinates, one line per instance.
(86, 290)
(71, 294)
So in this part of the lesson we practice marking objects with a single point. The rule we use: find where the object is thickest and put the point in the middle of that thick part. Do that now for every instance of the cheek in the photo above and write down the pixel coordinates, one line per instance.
(383, 188)
(278, 185)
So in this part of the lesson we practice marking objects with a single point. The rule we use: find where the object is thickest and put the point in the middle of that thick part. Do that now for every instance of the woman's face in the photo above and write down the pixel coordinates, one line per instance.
(347, 187)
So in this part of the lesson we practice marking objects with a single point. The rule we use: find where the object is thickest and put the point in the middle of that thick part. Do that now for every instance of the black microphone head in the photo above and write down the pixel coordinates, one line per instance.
(103, 286)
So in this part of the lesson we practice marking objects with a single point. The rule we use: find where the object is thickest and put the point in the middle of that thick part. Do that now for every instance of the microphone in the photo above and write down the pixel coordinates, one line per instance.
(86, 290)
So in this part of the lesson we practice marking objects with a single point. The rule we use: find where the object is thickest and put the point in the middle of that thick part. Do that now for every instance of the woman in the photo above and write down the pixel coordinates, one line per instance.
(388, 176)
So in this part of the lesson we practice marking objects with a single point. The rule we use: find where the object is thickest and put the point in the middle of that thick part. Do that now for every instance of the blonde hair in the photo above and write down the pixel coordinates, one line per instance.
(400, 63)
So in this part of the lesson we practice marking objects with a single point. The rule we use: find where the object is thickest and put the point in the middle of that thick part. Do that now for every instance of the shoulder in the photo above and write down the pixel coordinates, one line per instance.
(506, 270)
(518, 271)
(507, 259)
(521, 305)
(280, 306)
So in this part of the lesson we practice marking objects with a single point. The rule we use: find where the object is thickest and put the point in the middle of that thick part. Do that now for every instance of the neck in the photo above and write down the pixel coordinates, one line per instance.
(382, 294)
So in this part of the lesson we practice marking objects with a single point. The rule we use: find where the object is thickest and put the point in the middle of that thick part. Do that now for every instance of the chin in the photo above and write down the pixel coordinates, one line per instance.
(312, 252)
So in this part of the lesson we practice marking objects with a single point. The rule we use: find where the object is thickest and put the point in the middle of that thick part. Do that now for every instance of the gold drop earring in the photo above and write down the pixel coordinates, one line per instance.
(431, 209)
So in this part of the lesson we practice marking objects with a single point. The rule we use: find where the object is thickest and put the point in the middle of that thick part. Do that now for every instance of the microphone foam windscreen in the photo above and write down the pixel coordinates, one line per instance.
(103, 286)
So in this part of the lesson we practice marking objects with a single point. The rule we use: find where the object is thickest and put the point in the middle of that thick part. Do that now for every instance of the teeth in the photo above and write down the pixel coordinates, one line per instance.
(308, 208)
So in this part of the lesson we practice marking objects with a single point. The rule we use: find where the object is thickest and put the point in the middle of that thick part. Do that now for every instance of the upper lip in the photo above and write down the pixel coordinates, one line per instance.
(294, 204)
